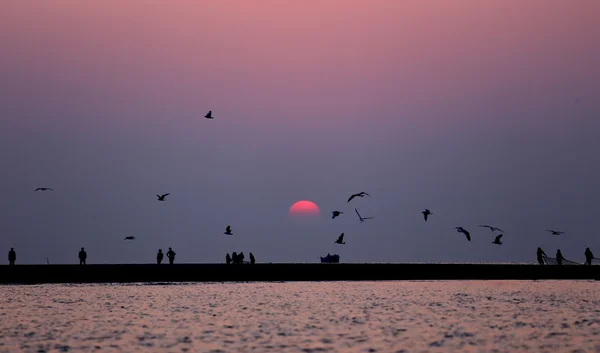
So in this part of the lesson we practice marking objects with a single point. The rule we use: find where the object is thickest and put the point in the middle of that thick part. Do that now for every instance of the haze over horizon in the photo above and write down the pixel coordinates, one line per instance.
(483, 112)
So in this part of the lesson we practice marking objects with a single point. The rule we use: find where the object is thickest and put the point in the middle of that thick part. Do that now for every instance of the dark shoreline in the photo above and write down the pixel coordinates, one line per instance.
(130, 273)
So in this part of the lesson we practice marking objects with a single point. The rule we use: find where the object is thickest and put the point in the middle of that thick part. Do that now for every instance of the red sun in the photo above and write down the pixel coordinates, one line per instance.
(304, 208)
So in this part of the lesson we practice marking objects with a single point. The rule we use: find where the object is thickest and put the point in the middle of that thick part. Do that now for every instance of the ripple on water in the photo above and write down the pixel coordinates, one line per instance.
(465, 316)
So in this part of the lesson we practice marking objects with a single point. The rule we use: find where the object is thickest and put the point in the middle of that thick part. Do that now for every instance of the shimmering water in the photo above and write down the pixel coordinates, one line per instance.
(459, 316)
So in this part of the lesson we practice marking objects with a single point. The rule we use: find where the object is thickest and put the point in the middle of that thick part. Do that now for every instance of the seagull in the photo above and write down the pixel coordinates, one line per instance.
(426, 213)
(360, 194)
(362, 219)
(335, 214)
(464, 231)
(44, 189)
(554, 232)
(497, 239)
(340, 239)
(493, 229)
(228, 231)
(130, 238)
(162, 197)
(209, 115)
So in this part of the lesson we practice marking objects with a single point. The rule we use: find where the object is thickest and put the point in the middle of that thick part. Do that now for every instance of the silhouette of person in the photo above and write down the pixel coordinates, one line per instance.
(228, 259)
(252, 259)
(234, 257)
(171, 256)
(159, 256)
(82, 256)
(241, 257)
(588, 256)
(540, 256)
(559, 257)
(12, 257)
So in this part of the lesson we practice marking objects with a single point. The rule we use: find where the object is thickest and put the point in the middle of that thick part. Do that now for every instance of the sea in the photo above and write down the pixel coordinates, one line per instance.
(395, 316)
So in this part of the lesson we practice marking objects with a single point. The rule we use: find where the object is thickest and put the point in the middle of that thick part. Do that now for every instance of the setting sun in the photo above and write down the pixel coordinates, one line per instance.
(304, 208)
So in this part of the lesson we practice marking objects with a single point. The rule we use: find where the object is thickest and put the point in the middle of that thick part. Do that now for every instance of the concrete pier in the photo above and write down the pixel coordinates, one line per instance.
(129, 273)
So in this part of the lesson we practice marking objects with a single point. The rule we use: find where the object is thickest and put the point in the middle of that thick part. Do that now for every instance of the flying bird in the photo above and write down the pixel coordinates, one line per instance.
(209, 115)
(493, 229)
(464, 231)
(497, 239)
(360, 194)
(426, 214)
(340, 239)
(228, 231)
(362, 219)
(335, 214)
(130, 238)
(554, 232)
(162, 197)
(44, 189)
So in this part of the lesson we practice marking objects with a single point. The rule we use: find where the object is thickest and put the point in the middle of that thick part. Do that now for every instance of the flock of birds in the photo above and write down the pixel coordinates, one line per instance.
(334, 214)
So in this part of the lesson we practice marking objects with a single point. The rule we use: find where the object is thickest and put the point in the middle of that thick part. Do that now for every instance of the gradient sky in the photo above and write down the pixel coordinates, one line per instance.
(485, 112)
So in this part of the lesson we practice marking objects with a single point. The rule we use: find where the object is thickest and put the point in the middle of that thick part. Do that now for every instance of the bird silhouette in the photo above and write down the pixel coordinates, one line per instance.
(464, 231)
(493, 229)
(209, 115)
(130, 238)
(497, 239)
(228, 231)
(335, 214)
(362, 219)
(426, 214)
(162, 197)
(360, 194)
(340, 239)
(44, 189)
(554, 232)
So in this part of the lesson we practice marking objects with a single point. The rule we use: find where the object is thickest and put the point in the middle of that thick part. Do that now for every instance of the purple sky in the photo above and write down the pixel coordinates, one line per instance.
(484, 112)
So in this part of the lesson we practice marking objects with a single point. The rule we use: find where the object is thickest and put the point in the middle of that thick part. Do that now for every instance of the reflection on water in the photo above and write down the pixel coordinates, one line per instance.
(461, 316)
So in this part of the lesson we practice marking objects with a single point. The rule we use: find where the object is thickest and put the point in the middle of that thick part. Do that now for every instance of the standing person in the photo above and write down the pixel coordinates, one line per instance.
(559, 257)
(234, 257)
(241, 257)
(228, 259)
(82, 256)
(159, 256)
(171, 256)
(252, 259)
(588, 256)
(12, 257)
(540, 256)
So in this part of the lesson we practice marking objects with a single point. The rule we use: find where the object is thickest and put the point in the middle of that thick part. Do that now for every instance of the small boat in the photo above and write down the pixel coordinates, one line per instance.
(330, 259)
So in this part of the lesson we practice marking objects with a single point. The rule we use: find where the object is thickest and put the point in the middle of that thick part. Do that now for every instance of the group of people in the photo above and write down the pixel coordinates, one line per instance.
(237, 259)
(170, 256)
(541, 257)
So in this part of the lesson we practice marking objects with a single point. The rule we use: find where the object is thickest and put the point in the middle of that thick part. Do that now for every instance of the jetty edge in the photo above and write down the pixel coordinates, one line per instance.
(284, 272)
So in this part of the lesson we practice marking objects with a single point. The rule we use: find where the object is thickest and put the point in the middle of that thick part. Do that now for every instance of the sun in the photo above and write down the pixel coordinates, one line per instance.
(304, 208)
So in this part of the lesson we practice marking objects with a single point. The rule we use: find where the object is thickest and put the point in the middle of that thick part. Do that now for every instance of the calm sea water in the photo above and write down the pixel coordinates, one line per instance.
(454, 316)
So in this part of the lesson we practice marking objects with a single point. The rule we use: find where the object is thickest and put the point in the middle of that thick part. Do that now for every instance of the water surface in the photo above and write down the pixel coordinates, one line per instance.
(453, 316)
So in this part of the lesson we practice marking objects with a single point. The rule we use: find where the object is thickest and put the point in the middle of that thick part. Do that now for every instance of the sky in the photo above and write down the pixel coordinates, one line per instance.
(485, 112)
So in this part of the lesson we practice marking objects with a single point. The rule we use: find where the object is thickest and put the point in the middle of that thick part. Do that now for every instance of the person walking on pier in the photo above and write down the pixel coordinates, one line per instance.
(171, 256)
(540, 256)
(159, 256)
(82, 256)
(228, 259)
(241, 258)
(12, 257)
(252, 259)
(234, 258)
(559, 257)
(589, 256)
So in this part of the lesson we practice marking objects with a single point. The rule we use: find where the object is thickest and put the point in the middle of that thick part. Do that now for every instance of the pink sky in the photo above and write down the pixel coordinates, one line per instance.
(421, 103)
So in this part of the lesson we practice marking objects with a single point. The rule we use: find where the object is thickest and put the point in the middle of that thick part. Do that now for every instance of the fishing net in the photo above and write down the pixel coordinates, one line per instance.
(552, 261)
